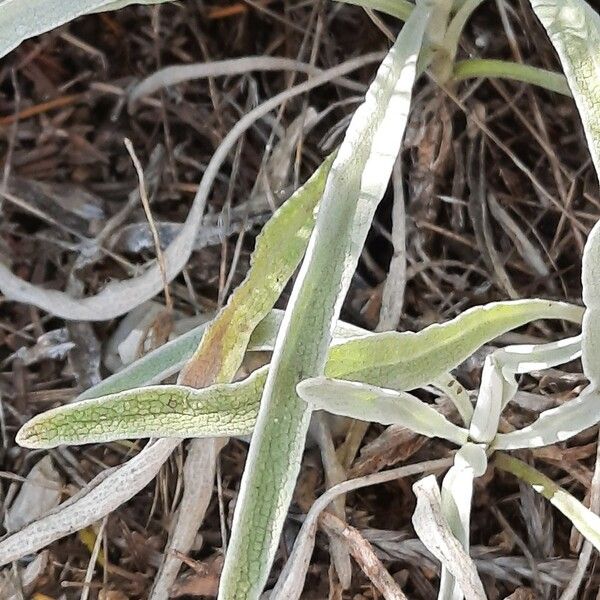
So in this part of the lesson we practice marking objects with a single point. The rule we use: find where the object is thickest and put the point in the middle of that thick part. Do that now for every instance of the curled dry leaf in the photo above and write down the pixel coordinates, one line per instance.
(40, 493)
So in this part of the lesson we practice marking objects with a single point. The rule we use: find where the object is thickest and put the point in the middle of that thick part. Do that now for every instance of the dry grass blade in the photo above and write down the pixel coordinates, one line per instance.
(364, 555)
(291, 581)
(175, 74)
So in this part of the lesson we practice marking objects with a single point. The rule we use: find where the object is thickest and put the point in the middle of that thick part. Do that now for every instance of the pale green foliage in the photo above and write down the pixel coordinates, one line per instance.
(498, 387)
(22, 19)
(574, 29)
(371, 403)
(401, 9)
(288, 231)
(401, 360)
(371, 363)
(154, 411)
(356, 184)
(582, 518)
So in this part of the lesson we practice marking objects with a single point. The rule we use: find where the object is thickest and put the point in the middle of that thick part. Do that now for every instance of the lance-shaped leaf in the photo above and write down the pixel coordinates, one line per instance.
(22, 19)
(288, 232)
(457, 491)
(170, 358)
(555, 425)
(420, 357)
(574, 29)
(409, 360)
(433, 530)
(401, 9)
(154, 411)
(356, 184)
(371, 403)
(584, 520)
(461, 336)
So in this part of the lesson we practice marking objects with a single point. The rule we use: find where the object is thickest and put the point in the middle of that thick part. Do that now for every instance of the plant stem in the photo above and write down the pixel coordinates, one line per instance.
(401, 9)
(488, 67)
(581, 517)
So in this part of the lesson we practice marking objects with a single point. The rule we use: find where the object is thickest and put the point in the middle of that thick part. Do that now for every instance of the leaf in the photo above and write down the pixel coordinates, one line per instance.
(370, 403)
(409, 360)
(524, 358)
(555, 425)
(574, 30)
(494, 392)
(433, 530)
(458, 395)
(467, 332)
(23, 19)
(420, 358)
(154, 411)
(583, 519)
(401, 9)
(457, 491)
(279, 250)
(489, 67)
(357, 181)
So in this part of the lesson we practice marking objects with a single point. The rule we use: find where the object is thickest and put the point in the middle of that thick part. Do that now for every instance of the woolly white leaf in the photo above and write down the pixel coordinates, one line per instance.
(372, 403)
(433, 530)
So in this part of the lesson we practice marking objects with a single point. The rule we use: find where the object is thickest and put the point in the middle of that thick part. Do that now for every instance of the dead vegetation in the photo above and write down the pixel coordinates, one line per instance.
(499, 195)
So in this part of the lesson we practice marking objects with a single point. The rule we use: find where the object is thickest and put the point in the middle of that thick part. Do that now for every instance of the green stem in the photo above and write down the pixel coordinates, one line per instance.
(401, 9)
(587, 522)
(487, 67)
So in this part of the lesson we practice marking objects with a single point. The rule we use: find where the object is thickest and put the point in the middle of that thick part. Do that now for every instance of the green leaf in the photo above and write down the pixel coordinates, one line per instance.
(278, 252)
(357, 182)
(406, 361)
(420, 358)
(371, 403)
(23, 19)
(401, 9)
(584, 520)
(153, 411)
(489, 67)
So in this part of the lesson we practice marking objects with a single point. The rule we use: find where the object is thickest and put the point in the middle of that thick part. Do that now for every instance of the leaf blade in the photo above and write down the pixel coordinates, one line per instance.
(23, 19)
(356, 183)
(375, 404)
